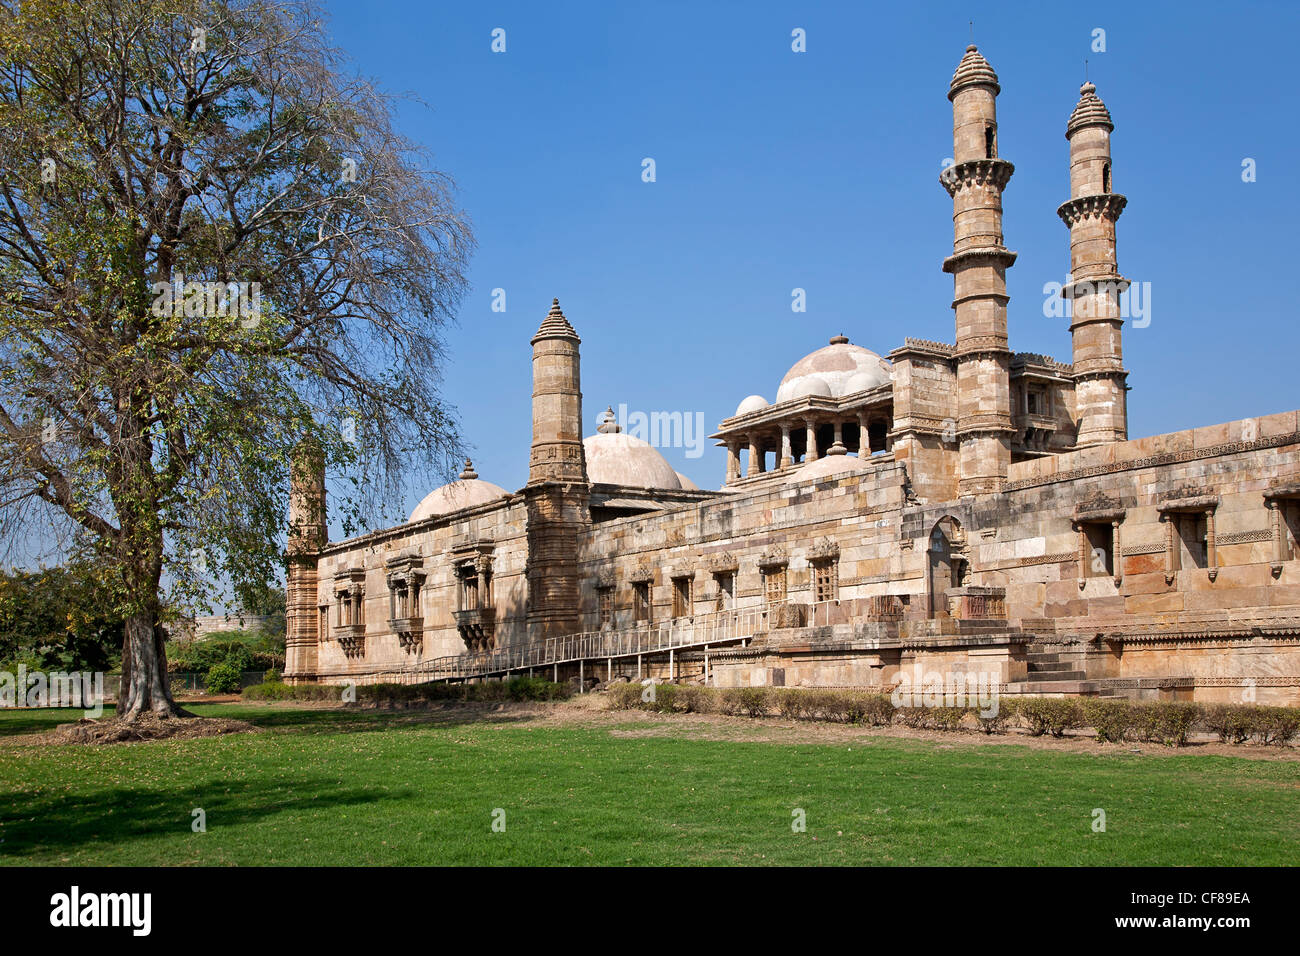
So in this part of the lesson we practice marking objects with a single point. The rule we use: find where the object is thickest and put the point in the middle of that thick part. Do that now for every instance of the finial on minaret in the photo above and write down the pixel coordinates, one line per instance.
(608, 422)
(468, 473)
(840, 339)
(555, 324)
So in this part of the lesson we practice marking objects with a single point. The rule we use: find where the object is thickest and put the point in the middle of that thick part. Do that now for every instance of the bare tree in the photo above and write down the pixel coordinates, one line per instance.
(213, 247)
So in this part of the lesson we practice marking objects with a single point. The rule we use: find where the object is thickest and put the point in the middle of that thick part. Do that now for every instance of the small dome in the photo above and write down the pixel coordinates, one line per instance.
(466, 492)
(687, 484)
(754, 403)
(973, 70)
(616, 458)
(807, 385)
(831, 465)
(834, 368)
(860, 382)
(1089, 111)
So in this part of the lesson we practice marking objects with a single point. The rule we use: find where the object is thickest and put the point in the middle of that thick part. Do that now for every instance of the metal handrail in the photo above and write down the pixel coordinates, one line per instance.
(713, 627)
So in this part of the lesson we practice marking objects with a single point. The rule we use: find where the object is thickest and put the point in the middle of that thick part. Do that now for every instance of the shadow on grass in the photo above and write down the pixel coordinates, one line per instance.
(344, 720)
(116, 816)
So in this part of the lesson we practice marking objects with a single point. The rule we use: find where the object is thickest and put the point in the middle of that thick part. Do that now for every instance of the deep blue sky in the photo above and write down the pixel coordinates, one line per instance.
(820, 170)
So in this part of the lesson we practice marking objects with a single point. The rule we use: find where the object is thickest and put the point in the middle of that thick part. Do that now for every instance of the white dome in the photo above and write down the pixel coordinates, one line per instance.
(686, 483)
(841, 368)
(829, 466)
(616, 458)
(752, 404)
(805, 386)
(466, 492)
(861, 381)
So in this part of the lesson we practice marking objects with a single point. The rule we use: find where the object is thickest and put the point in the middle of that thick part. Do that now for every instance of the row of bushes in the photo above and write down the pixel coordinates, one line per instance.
(407, 695)
(1162, 722)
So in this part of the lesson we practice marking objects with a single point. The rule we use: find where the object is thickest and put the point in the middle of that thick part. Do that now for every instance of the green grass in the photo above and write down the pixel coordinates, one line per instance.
(326, 787)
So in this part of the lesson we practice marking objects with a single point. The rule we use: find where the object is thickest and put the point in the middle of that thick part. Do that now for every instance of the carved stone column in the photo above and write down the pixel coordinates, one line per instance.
(787, 459)
(837, 446)
(811, 432)
(733, 461)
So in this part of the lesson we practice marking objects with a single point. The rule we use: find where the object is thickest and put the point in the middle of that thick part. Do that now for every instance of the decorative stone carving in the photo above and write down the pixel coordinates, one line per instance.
(773, 558)
(722, 563)
(642, 574)
(824, 550)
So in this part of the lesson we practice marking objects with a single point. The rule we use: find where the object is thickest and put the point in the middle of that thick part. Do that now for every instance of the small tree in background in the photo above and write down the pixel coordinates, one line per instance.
(213, 247)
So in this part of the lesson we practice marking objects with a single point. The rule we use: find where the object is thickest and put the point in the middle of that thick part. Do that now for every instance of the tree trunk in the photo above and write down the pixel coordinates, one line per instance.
(145, 686)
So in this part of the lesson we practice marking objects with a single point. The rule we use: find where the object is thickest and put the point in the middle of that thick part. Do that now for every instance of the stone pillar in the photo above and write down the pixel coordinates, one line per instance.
(733, 460)
(787, 459)
(308, 533)
(978, 266)
(755, 459)
(1211, 556)
(1095, 285)
(810, 426)
(557, 494)
(864, 436)
(837, 446)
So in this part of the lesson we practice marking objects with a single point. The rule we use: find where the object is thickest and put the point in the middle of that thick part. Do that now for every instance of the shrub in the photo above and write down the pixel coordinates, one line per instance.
(753, 701)
(223, 678)
(625, 696)
(877, 710)
(947, 718)
(272, 676)
(1277, 726)
(1233, 723)
(693, 699)
(1050, 715)
(789, 702)
(1111, 720)
(918, 718)
(995, 722)
(730, 701)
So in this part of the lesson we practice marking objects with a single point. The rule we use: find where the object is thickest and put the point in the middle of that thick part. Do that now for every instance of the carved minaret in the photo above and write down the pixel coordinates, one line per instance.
(1095, 285)
(308, 533)
(557, 490)
(978, 264)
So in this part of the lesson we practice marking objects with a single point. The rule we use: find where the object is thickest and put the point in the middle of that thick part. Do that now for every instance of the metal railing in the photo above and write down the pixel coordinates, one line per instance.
(698, 630)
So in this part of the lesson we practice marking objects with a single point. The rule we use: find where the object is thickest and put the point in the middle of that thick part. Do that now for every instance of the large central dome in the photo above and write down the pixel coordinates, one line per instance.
(617, 458)
(838, 369)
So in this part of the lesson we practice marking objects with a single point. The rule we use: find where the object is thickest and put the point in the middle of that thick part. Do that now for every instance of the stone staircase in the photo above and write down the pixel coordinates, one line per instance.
(1049, 674)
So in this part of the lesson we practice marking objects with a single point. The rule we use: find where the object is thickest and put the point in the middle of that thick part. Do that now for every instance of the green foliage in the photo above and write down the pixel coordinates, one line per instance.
(753, 701)
(223, 678)
(244, 650)
(60, 619)
(1110, 720)
(1054, 715)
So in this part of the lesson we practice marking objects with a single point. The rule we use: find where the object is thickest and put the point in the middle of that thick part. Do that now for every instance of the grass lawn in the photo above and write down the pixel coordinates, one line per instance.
(334, 788)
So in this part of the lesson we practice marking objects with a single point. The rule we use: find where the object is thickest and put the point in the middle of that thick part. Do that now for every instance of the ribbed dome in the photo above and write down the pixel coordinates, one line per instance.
(555, 325)
(838, 369)
(829, 466)
(973, 70)
(616, 458)
(466, 492)
(1089, 111)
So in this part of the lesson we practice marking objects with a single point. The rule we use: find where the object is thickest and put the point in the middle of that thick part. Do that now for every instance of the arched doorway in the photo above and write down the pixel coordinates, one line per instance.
(947, 563)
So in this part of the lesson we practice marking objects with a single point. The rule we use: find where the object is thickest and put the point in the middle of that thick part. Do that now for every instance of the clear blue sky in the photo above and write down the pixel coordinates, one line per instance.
(819, 170)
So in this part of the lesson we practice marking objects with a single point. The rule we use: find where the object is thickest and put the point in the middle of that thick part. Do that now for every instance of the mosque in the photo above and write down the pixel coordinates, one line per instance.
(957, 508)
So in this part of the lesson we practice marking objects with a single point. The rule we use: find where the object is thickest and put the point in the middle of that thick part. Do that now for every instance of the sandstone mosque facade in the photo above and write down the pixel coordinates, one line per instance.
(955, 507)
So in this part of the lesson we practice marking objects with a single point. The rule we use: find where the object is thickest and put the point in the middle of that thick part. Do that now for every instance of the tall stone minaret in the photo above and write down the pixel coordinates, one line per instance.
(557, 493)
(308, 533)
(1095, 284)
(978, 264)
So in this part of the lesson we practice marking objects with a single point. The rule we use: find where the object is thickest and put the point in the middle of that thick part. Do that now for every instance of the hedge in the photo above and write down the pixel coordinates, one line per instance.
(1113, 720)
(407, 695)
